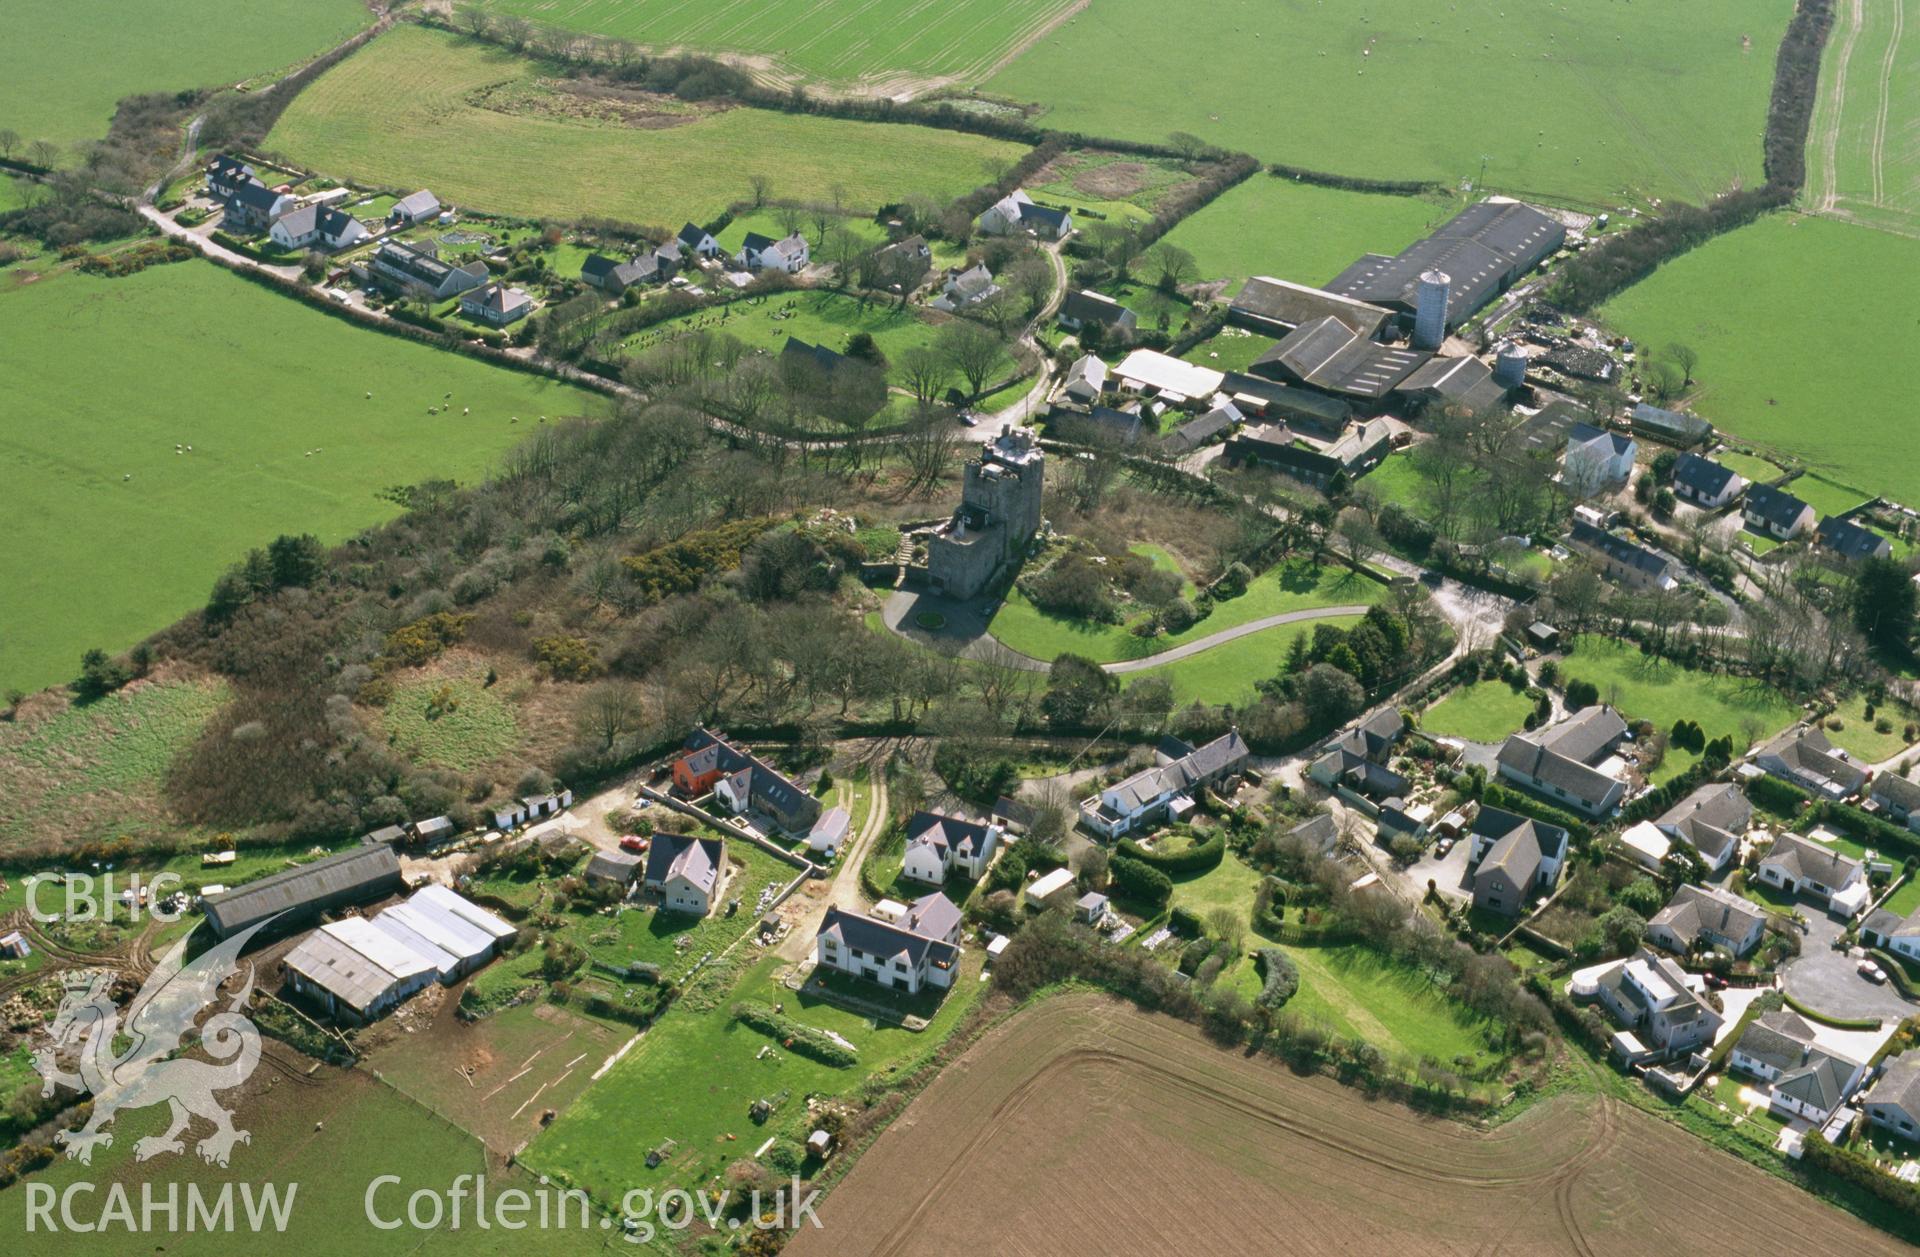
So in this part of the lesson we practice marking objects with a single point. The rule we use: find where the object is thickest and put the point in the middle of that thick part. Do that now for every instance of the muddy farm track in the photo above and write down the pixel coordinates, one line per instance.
(1142, 1137)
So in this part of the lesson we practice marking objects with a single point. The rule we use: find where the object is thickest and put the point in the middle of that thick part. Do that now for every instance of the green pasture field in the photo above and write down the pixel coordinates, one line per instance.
(65, 63)
(1355, 990)
(1233, 349)
(100, 764)
(1270, 225)
(1292, 586)
(693, 1076)
(1486, 711)
(1824, 495)
(877, 43)
(1119, 187)
(1791, 381)
(401, 111)
(457, 722)
(1590, 102)
(115, 535)
(325, 1138)
(1226, 673)
(1665, 693)
(1862, 163)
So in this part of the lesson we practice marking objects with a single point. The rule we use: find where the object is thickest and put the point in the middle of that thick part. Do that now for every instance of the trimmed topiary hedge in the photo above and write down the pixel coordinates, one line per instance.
(795, 1036)
(1282, 978)
(1195, 859)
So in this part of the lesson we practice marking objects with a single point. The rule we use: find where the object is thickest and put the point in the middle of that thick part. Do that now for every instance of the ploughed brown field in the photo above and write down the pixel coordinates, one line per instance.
(1085, 1126)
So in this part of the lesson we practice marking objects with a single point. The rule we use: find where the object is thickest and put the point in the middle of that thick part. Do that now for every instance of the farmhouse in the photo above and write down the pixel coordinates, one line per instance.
(1597, 459)
(357, 972)
(920, 950)
(698, 242)
(1203, 431)
(1621, 560)
(1893, 1102)
(939, 845)
(1700, 917)
(1274, 307)
(416, 207)
(1086, 380)
(418, 270)
(1807, 1080)
(457, 935)
(1850, 542)
(613, 277)
(1328, 355)
(829, 833)
(999, 513)
(1671, 426)
(965, 288)
(1570, 762)
(1705, 483)
(321, 225)
(1016, 212)
(743, 782)
(297, 896)
(497, 304)
(1803, 757)
(1659, 1005)
(763, 253)
(685, 871)
(1164, 790)
(1802, 867)
(1513, 858)
(1085, 308)
(1776, 513)
(1481, 251)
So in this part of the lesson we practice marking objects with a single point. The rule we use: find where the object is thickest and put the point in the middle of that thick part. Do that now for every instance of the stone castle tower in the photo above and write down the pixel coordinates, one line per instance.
(998, 516)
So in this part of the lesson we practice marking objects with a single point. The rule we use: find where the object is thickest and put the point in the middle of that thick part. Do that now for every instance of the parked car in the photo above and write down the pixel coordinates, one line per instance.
(1441, 848)
(634, 845)
(1872, 972)
(1716, 982)
(970, 419)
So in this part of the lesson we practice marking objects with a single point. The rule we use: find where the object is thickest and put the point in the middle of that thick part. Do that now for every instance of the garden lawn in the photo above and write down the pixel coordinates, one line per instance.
(1357, 990)
(693, 1076)
(1858, 736)
(1226, 673)
(1486, 711)
(401, 112)
(1785, 382)
(1905, 900)
(1586, 101)
(675, 941)
(1273, 225)
(1233, 349)
(1665, 693)
(1757, 470)
(114, 535)
(1291, 586)
(1397, 480)
(64, 63)
(1826, 496)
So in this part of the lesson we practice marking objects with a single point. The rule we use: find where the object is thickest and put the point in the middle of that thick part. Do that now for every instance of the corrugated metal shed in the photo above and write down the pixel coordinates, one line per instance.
(350, 877)
(356, 963)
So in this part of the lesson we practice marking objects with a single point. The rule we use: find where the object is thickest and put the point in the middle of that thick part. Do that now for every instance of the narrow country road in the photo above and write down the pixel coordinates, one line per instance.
(844, 890)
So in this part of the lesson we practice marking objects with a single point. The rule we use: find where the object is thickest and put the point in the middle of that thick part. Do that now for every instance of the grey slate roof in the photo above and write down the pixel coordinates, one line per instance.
(365, 872)
(1899, 1084)
(961, 837)
(1203, 430)
(883, 940)
(1780, 1038)
(685, 855)
(1775, 507)
(1850, 541)
(1802, 858)
(1320, 829)
(614, 866)
(1215, 757)
(416, 205)
(1696, 908)
(1520, 844)
(1819, 1082)
(1902, 792)
(1620, 550)
(1809, 752)
(1702, 476)
(1712, 819)
(1562, 754)
(1092, 307)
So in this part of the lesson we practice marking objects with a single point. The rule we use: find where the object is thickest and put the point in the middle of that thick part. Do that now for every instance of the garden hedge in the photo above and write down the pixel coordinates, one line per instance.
(793, 1035)
(1195, 859)
(1828, 1019)
(1282, 978)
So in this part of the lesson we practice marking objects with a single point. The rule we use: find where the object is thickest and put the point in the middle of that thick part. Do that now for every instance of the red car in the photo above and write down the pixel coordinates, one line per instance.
(637, 846)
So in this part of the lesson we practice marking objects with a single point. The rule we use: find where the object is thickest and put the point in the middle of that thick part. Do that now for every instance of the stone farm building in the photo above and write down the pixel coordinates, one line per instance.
(1164, 791)
(743, 782)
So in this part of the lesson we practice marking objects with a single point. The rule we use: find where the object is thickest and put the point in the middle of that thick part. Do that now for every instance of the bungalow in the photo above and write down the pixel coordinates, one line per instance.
(1016, 212)
(613, 277)
(1892, 932)
(698, 242)
(357, 972)
(1622, 560)
(938, 845)
(1513, 858)
(1700, 917)
(1850, 542)
(1705, 483)
(320, 225)
(1898, 797)
(1712, 820)
(417, 270)
(829, 833)
(1083, 307)
(685, 871)
(496, 304)
(1806, 1080)
(1086, 379)
(1659, 1005)
(1893, 1102)
(1596, 459)
(414, 208)
(254, 206)
(965, 287)
(1775, 513)
(742, 782)
(1804, 757)
(763, 253)
(1164, 790)
(920, 950)
(1799, 866)
(1570, 762)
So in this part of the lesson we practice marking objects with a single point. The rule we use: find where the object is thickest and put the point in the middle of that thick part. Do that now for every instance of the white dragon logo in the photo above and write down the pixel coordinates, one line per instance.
(140, 1075)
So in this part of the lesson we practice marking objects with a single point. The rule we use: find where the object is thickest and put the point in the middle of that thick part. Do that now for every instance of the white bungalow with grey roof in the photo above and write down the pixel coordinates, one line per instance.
(1165, 789)
(1776, 513)
(1804, 757)
(1086, 379)
(357, 972)
(1713, 820)
(938, 846)
(1806, 1080)
(1705, 483)
(497, 305)
(1572, 762)
(1707, 917)
(1800, 866)
(317, 225)
(1893, 1102)
(1596, 459)
(918, 951)
(1850, 542)
(1898, 797)
(686, 871)
(1890, 931)
(416, 207)
(1513, 858)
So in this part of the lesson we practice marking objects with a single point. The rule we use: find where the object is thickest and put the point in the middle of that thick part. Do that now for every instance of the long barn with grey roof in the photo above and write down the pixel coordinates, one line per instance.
(1482, 250)
(298, 896)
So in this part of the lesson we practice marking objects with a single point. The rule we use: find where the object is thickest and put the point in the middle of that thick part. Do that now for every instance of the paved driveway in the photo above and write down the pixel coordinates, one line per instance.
(1449, 873)
(1827, 980)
